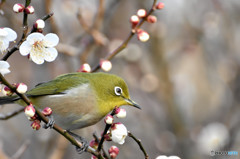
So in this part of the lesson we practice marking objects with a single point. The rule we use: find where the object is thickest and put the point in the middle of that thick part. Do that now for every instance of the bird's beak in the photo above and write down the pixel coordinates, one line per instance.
(132, 103)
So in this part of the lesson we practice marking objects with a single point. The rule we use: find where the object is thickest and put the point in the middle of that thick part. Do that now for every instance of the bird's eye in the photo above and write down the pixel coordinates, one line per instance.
(118, 91)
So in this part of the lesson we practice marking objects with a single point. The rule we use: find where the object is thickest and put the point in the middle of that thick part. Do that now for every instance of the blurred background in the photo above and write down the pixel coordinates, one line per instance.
(186, 77)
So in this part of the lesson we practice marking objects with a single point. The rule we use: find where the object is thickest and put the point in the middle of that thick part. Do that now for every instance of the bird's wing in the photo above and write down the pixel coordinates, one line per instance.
(58, 85)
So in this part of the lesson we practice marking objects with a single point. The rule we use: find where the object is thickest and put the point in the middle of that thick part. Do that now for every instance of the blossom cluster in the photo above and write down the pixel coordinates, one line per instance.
(117, 133)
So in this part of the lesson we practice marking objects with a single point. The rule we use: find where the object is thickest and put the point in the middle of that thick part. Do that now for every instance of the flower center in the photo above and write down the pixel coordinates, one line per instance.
(38, 44)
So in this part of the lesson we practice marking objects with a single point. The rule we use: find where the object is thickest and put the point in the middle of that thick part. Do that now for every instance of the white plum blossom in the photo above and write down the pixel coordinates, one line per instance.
(6, 35)
(212, 137)
(119, 133)
(4, 67)
(40, 47)
(165, 157)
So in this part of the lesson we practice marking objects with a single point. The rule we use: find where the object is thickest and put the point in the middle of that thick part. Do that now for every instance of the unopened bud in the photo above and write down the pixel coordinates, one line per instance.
(29, 111)
(106, 65)
(142, 13)
(47, 111)
(120, 113)
(29, 10)
(36, 124)
(134, 20)
(93, 157)
(7, 91)
(93, 144)
(152, 19)
(39, 24)
(21, 88)
(35, 117)
(107, 136)
(108, 119)
(85, 68)
(113, 151)
(159, 5)
(18, 7)
(142, 35)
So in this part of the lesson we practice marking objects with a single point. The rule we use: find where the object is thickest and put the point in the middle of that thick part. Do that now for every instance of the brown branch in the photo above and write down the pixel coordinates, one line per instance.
(105, 132)
(98, 37)
(138, 141)
(45, 119)
(21, 150)
(126, 41)
(11, 114)
(16, 47)
(97, 140)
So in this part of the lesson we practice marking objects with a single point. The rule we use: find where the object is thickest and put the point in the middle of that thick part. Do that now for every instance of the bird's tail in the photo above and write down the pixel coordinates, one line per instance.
(8, 99)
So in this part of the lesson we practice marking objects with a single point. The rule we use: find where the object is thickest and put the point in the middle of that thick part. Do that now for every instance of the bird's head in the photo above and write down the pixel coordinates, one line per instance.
(112, 91)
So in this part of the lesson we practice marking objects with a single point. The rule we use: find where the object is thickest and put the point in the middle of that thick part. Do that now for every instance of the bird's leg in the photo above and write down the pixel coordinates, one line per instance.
(50, 123)
(82, 140)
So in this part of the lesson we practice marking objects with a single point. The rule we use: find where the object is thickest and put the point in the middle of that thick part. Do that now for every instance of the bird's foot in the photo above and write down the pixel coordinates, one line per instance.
(50, 123)
(82, 140)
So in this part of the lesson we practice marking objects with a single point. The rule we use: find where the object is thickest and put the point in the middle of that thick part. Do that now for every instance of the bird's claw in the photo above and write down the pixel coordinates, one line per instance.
(82, 140)
(50, 123)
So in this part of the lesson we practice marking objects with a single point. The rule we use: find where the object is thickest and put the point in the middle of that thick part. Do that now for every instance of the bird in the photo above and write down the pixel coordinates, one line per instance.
(78, 99)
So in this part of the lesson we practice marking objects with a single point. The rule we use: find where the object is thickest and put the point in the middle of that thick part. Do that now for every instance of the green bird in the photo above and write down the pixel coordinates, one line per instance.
(78, 99)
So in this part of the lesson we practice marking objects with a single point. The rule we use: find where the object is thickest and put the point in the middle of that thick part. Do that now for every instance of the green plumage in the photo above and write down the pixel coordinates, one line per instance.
(78, 99)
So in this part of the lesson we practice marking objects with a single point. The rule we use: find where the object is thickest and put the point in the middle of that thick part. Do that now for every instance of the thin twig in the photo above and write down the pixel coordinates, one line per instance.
(45, 119)
(138, 141)
(97, 140)
(105, 132)
(21, 150)
(126, 41)
(11, 114)
(16, 47)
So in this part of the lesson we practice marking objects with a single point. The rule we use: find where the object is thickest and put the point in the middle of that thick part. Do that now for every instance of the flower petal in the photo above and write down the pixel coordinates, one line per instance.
(4, 45)
(4, 64)
(25, 48)
(37, 59)
(51, 40)
(32, 38)
(3, 33)
(51, 54)
(4, 67)
(4, 71)
(12, 35)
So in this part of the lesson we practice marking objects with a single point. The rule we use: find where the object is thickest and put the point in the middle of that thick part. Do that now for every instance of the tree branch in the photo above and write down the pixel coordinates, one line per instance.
(138, 141)
(126, 41)
(11, 114)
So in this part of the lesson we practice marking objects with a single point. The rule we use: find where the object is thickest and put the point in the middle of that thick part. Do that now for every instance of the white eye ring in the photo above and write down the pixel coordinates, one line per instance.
(118, 91)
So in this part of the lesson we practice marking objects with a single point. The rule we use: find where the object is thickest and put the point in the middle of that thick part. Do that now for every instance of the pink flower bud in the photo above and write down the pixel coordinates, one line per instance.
(29, 111)
(107, 136)
(152, 19)
(134, 20)
(93, 157)
(7, 91)
(21, 88)
(47, 111)
(29, 10)
(85, 68)
(93, 144)
(108, 119)
(18, 7)
(106, 65)
(160, 5)
(113, 151)
(120, 113)
(39, 24)
(36, 124)
(142, 13)
(35, 117)
(142, 35)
